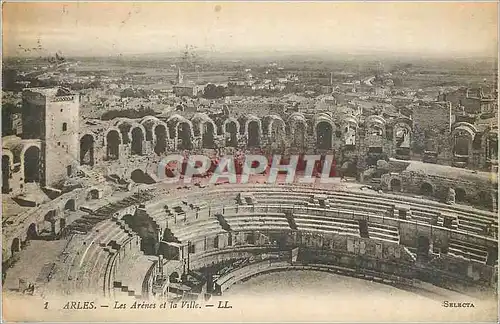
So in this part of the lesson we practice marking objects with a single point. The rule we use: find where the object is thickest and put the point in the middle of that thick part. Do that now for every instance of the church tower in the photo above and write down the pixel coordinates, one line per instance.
(180, 77)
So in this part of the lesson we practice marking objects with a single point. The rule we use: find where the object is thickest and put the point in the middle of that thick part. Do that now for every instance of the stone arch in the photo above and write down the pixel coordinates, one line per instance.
(395, 184)
(205, 127)
(112, 143)
(181, 130)
(231, 129)
(426, 189)
(31, 158)
(70, 205)
(297, 125)
(137, 134)
(124, 126)
(93, 194)
(160, 136)
(184, 135)
(375, 131)
(460, 194)
(32, 232)
(15, 247)
(50, 215)
(276, 129)
(402, 135)
(252, 130)
(324, 130)
(149, 123)
(87, 149)
(208, 135)
(462, 135)
(253, 134)
(349, 131)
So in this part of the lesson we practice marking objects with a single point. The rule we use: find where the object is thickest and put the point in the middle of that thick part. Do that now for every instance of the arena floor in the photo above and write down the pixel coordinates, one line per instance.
(322, 296)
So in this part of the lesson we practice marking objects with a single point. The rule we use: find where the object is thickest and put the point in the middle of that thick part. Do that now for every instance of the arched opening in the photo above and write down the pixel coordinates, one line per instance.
(461, 146)
(137, 139)
(70, 205)
(139, 176)
(32, 233)
(208, 135)
(324, 133)
(6, 173)
(349, 135)
(485, 199)
(460, 195)
(87, 150)
(402, 137)
(277, 132)
(423, 246)
(16, 245)
(32, 165)
(231, 134)
(174, 277)
(124, 130)
(299, 135)
(375, 135)
(129, 219)
(112, 145)
(93, 194)
(161, 139)
(426, 189)
(253, 134)
(396, 185)
(184, 135)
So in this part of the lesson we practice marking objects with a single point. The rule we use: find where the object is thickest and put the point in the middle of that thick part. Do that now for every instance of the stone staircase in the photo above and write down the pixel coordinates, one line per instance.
(88, 221)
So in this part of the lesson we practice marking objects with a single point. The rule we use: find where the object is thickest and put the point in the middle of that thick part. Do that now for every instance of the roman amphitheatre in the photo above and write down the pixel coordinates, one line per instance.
(87, 213)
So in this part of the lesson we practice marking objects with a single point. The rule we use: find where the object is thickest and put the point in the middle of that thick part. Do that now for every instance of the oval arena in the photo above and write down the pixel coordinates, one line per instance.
(115, 230)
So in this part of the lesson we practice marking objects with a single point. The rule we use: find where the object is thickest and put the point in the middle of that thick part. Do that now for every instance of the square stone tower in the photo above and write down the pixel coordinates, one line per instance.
(52, 115)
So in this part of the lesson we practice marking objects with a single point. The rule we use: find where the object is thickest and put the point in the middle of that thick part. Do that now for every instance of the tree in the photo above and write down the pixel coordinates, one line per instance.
(212, 91)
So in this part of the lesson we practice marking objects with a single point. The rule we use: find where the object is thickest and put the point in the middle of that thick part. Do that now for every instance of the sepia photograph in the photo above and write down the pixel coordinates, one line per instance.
(238, 161)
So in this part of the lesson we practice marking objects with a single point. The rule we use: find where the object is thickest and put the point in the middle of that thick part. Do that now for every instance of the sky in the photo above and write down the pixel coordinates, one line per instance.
(107, 28)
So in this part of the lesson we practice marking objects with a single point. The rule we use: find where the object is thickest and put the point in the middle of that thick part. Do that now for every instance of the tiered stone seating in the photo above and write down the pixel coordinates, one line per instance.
(319, 201)
(326, 224)
(279, 197)
(383, 232)
(197, 228)
(195, 204)
(92, 257)
(466, 216)
(248, 221)
(121, 243)
(426, 216)
(359, 204)
(88, 221)
(475, 223)
(468, 251)
(128, 273)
